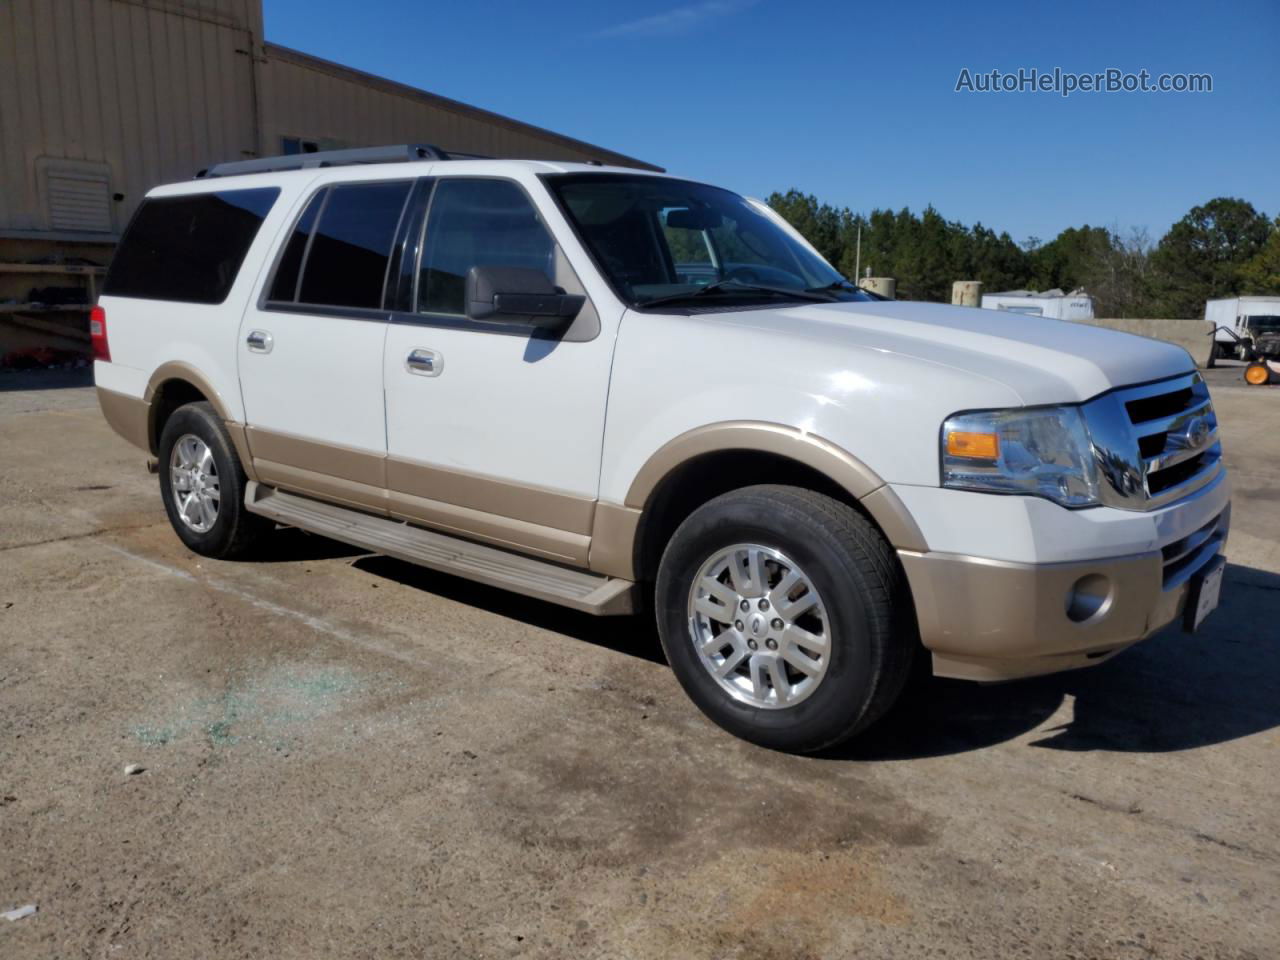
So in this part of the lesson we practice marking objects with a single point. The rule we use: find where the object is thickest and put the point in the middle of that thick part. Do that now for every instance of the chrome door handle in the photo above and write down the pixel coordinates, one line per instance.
(259, 341)
(425, 363)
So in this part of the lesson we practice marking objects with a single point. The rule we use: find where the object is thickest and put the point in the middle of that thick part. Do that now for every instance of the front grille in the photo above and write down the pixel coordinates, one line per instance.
(1146, 409)
(1155, 443)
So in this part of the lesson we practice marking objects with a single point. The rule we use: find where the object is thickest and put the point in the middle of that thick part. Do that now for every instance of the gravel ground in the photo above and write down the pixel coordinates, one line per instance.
(348, 756)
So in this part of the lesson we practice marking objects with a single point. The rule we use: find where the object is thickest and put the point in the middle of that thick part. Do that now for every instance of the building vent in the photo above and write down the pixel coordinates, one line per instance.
(77, 196)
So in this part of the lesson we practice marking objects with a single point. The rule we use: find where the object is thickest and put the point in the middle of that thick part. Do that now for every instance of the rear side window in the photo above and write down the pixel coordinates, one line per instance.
(188, 248)
(485, 223)
(337, 254)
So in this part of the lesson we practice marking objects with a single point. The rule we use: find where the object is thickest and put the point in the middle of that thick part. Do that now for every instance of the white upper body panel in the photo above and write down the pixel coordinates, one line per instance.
(876, 379)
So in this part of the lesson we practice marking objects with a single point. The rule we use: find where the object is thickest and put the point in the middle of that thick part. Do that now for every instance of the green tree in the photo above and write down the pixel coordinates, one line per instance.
(1201, 256)
(1071, 259)
(1261, 273)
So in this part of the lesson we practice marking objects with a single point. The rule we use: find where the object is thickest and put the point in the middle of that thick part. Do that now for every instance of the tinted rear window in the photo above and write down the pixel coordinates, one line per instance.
(346, 264)
(188, 248)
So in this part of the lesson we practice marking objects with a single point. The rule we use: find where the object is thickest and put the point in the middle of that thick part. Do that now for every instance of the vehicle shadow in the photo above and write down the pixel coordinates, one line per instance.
(635, 636)
(290, 545)
(40, 379)
(1172, 692)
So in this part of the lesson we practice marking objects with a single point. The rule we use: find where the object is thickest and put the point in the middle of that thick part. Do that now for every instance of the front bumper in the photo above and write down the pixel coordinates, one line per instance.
(995, 619)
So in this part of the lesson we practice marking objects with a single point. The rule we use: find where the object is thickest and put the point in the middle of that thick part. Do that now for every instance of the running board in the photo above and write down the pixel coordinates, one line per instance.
(589, 592)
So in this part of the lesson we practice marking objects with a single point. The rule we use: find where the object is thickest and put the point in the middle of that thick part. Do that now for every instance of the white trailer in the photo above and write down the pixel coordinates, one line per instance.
(1245, 317)
(1054, 304)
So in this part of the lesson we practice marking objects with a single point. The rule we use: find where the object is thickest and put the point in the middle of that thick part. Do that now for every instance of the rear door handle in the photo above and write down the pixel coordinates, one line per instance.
(425, 363)
(259, 341)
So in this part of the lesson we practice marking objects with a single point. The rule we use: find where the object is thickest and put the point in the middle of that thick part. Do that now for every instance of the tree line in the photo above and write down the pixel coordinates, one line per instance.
(1223, 248)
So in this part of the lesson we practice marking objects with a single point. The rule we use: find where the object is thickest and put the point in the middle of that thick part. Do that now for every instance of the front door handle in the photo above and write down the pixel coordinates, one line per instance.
(425, 363)
(259, 341)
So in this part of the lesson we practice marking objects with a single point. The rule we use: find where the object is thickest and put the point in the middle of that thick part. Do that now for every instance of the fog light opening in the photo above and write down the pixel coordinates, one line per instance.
(1089, 598)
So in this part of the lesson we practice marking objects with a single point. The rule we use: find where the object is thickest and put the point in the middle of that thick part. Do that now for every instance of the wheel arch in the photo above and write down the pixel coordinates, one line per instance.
(708, 461)
(175, 384)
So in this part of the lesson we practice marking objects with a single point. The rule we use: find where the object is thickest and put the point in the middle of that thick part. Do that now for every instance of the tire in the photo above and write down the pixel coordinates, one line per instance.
(862, 609)
(1213, 355)
(232, 531)
(1257, 374)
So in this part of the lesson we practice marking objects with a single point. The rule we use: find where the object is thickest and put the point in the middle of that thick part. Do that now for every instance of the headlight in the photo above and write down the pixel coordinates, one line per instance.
(1042, 451)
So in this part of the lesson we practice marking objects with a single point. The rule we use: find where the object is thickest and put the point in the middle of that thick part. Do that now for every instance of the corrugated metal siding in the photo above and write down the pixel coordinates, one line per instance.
(154, 89)
(333, 105)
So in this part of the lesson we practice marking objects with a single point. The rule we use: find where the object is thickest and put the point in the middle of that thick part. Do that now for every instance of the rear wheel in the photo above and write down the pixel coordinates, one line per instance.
(785, 616)
(202, 484)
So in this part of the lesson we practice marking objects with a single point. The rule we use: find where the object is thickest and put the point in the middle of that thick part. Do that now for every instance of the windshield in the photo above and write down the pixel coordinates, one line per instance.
(658, 239)
(1263, 323)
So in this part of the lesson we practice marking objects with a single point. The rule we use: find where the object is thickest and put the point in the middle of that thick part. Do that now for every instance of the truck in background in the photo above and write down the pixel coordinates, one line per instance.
(1054, 304)
(1239, 323)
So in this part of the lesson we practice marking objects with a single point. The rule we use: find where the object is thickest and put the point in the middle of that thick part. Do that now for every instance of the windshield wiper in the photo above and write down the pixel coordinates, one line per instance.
(731, 286)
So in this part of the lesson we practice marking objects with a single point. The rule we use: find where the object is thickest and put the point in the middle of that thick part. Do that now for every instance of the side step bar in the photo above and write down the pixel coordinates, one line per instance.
(578, 589)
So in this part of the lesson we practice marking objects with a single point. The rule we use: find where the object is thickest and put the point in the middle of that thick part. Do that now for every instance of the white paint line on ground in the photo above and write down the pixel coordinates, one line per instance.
(318, 624)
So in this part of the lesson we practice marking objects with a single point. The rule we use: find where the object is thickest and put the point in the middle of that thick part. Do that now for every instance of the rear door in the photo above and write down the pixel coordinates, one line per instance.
(493, 430)
(310, 350)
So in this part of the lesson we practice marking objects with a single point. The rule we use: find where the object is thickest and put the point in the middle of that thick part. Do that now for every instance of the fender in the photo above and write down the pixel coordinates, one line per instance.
(178, 370)
(616, 526)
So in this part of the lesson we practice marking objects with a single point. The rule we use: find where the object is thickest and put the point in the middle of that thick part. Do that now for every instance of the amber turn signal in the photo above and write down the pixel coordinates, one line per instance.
(976, 446)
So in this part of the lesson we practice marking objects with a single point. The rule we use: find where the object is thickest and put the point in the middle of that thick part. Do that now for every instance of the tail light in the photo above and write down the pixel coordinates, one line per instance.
(98, 334)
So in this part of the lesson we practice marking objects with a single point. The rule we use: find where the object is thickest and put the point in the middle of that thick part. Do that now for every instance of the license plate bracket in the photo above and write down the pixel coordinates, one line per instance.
(1202, 598)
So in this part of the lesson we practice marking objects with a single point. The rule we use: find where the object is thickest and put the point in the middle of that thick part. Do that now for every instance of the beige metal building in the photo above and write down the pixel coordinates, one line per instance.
(102, 99)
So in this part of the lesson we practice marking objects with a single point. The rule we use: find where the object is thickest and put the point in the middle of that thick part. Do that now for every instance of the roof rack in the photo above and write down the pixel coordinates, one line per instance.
(401, 153)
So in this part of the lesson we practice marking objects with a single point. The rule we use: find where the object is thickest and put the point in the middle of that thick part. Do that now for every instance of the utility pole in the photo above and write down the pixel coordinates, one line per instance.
(857, 259)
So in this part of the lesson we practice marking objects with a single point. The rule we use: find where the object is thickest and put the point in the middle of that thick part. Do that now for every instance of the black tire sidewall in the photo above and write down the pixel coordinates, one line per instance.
(199, 420)
(832, 710)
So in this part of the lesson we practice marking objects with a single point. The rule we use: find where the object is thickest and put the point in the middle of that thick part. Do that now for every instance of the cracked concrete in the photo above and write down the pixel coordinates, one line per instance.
(348, 756)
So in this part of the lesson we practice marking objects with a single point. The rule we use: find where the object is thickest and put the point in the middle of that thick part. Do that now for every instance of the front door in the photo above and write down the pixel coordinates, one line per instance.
(494, 431)
(311, 348)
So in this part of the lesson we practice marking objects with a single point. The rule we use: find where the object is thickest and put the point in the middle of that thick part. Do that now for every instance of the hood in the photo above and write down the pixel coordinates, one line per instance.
(1041, 360)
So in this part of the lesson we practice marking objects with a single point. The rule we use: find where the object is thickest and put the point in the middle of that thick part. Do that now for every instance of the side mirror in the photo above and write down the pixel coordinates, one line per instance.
(519, 295)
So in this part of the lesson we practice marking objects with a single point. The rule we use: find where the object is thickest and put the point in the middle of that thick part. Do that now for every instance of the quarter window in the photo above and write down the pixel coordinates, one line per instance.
(188, 248)
(486, 223)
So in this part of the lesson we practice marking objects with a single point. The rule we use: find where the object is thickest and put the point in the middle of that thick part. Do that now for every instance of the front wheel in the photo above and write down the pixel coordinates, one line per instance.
(785, 616)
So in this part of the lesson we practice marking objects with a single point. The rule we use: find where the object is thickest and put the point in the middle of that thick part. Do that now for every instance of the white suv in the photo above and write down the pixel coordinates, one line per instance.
(609, 388)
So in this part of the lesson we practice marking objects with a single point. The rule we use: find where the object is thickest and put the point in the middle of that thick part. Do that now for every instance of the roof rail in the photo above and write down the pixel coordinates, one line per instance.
(401, 153)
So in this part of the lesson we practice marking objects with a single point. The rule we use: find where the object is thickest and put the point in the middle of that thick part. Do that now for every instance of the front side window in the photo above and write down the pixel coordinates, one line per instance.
(477, 223)
(664, 240)
(188, 248)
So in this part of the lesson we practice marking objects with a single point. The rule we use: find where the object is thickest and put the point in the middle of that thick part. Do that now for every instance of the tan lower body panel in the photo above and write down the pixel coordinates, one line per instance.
(128, 416)
(539, 540)
(544, 523)
(993, 620)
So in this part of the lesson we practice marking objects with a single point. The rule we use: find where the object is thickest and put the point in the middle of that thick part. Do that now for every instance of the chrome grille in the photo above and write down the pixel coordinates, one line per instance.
(1156, 443)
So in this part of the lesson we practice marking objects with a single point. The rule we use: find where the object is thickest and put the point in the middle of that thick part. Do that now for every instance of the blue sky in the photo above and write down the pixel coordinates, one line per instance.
(856, 102)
